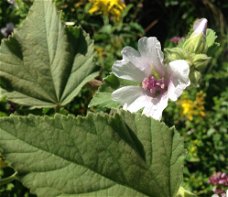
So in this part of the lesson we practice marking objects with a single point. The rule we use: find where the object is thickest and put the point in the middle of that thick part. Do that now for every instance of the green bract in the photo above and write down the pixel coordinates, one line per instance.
(98, 155)
(44, 64)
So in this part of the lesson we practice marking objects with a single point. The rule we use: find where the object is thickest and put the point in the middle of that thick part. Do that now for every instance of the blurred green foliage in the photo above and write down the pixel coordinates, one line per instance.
(206, 137)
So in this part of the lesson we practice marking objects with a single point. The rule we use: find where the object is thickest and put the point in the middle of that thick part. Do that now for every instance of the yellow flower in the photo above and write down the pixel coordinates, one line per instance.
(112, 7)
(187, 108)
(200, 103)
(192, 108)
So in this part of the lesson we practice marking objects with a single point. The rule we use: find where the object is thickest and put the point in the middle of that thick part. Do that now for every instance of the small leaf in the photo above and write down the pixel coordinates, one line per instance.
(98, 155)
(210, 37)
(126, 10)
(184, 193)
(103, 97)
(43, 64)
(103, 100)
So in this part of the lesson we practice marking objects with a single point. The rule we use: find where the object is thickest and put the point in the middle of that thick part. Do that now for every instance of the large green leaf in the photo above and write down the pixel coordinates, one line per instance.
(98, 155)
(45, 64)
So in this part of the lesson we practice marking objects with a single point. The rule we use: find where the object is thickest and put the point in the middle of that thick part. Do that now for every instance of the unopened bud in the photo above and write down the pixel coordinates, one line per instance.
(200, 61)
(196, 43)
(176, 53)
(200, 26)
(195, 76)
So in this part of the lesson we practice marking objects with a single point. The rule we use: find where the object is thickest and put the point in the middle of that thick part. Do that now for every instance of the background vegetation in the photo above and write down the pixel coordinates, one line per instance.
(201, 113)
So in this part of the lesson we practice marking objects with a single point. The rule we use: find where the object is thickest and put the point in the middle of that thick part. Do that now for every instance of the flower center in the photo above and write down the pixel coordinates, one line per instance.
(153, 86)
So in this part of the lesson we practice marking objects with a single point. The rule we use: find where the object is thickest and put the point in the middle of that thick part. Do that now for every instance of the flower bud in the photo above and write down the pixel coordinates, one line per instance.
(176, 53)
(195, 76)
(196, 43)
(200, 61)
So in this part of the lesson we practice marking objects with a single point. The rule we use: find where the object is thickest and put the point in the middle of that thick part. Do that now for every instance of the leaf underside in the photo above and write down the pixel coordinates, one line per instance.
(97, 155)
(44, 64)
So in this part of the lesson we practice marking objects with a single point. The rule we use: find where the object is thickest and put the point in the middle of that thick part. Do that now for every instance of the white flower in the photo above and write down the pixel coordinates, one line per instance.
(157, 82)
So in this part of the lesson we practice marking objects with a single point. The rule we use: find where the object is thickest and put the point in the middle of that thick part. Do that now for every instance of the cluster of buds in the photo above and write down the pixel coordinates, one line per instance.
(219, 180)
(193, 49)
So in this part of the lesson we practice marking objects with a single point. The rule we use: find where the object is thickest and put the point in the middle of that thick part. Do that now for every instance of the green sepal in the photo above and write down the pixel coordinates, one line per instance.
(176, 53)
(195, 44)
(200, 61)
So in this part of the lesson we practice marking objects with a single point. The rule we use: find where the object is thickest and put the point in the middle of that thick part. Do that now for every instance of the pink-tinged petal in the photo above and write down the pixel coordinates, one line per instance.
(150, 49)
(179, 78)
(137, 104)
(125, 69)
(155, 108)
(159, 82)
(131, 97)
(136, 59)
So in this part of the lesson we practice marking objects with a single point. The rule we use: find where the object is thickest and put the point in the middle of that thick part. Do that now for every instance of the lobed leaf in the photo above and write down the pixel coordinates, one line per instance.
(98, 155)
(44, 64)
